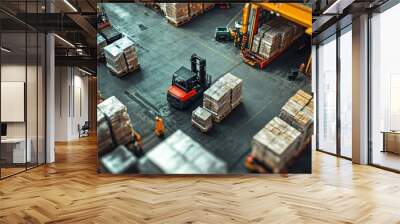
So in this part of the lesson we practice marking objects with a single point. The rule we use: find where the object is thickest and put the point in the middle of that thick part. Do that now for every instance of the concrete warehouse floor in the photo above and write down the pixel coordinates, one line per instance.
(163, 48)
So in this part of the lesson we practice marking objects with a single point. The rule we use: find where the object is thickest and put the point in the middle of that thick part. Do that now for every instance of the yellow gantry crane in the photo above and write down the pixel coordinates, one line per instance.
(298, 13)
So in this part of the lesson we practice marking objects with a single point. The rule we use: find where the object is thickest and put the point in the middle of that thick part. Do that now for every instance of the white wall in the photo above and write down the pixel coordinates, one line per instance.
(70, 83)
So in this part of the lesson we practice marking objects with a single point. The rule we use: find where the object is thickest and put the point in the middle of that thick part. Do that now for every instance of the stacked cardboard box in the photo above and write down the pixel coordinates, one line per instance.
(217, 100)
(195, 9)
(202, 119)
(271, 43)
(287, 35)
(118, 119)
(101, 43)
(223, 96)
(104, 139)
(235, 84)
(177, 12)
(276, 144)
(256, 42)
(180, 154)
(121, 57)
(262, 29)
(298, 112)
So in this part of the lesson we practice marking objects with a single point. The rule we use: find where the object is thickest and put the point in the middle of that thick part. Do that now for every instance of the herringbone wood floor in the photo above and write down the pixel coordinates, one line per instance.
(70, 191)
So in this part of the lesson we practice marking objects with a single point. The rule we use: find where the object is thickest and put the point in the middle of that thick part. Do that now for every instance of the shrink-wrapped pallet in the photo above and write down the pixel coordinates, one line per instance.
(121, 57)
(271, 42)
(217, 100)
(177, 12)
(104, 139)
(256, 42)
(101, 43)
(195, 9)
(180, 154)
(202, 119)
(118, 119)
(276, 144)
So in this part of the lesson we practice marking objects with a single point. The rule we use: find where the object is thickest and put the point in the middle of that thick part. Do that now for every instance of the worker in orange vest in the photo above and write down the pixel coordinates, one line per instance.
(159, 127)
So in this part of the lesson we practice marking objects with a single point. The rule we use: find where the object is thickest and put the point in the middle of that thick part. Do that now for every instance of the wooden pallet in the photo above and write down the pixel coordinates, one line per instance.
(180, 23)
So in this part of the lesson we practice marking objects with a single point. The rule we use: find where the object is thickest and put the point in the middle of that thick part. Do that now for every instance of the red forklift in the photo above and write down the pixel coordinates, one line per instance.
(189, 85)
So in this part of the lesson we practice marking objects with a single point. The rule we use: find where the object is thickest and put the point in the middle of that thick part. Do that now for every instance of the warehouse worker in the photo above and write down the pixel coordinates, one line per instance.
(138, 141)
(159, 127)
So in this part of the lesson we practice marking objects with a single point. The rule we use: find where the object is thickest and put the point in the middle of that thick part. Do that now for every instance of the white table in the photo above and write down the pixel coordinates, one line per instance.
(17, 145)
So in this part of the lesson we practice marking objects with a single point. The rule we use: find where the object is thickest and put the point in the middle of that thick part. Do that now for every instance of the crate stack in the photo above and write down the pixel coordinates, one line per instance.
(202, 119)
(118, 119)
(177, 13)
(236, 85)
(271, 43)
(195, 9)
(275, 144)
(223, 96)
(114, 134)
(277, 34)
(121, 57)
(298, 112)
(180, 154)
(217, 100)
(101, 43)
(287, 35)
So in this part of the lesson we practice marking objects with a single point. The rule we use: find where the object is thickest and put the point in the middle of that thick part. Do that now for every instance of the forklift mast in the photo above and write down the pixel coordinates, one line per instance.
(196, 60)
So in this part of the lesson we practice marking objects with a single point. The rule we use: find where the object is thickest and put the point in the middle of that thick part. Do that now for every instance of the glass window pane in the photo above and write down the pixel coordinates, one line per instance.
(346, 94)
(13, 87)
(327, 96)
(385, 86)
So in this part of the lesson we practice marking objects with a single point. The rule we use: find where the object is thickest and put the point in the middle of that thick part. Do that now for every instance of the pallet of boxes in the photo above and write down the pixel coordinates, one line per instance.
(180, 154)
(121, 57)
(218, 101)
(117, 151)
(283, 139)
(177, 14)
(274, 37)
